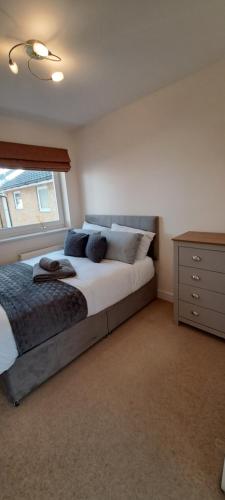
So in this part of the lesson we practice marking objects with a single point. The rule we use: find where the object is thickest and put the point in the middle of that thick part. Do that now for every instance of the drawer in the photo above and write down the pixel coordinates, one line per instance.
(212, 260)
(203, 298)
(203, 279)
(202, 316)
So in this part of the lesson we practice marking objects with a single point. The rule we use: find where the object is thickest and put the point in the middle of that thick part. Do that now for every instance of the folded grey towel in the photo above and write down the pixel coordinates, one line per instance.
(49, 264)
(66, 271)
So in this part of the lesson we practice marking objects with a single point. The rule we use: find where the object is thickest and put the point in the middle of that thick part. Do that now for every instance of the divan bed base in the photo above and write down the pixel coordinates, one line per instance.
(39, 364)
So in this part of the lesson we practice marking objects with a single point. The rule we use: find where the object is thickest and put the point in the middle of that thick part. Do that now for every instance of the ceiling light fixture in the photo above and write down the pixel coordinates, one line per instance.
(38, 51)
(13, 66)
(57, 76)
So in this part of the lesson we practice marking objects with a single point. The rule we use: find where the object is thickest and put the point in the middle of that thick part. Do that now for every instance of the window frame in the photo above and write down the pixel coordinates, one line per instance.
(15, 200)
(30, 229)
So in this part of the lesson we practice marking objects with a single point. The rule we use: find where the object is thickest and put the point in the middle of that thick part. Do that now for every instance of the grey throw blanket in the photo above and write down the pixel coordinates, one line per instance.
(37, 311)
(66, 270)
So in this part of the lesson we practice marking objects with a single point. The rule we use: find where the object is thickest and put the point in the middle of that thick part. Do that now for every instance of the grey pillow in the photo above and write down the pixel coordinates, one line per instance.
(75, 244)
(85, 231)
(96, 247)
(122, 246)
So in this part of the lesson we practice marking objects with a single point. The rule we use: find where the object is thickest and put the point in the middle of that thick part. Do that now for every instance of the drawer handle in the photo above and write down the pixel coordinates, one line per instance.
(195, 277)
(195, 295)
(194, 313)
(196, 258)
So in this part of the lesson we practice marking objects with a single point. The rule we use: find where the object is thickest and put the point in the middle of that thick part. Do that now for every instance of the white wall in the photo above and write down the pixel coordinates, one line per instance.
(36, 132)
(162, 155)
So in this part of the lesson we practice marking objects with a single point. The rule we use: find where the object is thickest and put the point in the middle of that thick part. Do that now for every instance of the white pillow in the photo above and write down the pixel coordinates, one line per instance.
(145, 240)
(88, 225)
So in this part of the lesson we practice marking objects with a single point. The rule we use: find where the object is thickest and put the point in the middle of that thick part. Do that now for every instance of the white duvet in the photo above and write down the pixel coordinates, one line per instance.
(102, 285)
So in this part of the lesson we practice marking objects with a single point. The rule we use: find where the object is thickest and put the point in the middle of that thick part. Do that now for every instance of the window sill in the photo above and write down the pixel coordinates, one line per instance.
(34, 235)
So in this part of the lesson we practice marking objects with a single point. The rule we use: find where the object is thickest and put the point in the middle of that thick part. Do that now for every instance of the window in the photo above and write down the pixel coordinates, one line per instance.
(30, 201)
(18, 200)
(43, 198)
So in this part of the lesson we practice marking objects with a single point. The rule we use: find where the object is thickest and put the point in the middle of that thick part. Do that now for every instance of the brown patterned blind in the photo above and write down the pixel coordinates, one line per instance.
(27, 157)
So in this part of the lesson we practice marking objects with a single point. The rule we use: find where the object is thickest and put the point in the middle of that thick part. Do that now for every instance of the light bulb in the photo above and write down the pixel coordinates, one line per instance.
(40, 49)
(58, 76)
(13, 66)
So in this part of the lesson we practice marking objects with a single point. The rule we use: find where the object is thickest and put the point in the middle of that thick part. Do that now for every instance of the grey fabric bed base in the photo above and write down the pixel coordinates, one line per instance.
(39, 364)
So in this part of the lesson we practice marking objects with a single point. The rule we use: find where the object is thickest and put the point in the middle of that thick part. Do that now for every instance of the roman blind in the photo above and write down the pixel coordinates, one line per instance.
(14, 155)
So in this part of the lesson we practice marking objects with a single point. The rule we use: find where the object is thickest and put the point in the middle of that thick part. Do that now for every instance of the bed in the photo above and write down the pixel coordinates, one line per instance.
(129, 288)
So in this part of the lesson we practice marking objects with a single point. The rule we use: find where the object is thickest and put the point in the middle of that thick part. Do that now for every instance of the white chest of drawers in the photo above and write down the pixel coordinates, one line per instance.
(199, 287)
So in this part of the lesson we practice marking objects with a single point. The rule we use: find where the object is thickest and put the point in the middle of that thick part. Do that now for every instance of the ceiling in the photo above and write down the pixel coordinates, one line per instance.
(114, 51)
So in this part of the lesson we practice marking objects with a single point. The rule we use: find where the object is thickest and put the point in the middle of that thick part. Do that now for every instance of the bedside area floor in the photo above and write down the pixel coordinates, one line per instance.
(141, 415)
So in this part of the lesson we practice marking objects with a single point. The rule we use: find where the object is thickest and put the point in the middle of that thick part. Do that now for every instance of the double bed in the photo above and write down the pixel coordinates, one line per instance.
(113, 291)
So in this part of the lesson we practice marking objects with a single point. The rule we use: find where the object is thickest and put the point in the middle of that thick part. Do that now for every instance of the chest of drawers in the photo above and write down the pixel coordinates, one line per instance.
(199, 281)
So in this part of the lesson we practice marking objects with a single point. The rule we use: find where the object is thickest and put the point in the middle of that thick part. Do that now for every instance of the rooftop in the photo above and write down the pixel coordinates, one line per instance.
(10, 179)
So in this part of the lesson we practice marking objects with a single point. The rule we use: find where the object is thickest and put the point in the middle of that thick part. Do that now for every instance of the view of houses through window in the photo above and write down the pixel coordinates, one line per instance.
(27, 197)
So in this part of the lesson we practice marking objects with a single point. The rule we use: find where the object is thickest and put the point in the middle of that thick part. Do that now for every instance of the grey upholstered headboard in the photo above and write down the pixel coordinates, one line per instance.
(145, 222)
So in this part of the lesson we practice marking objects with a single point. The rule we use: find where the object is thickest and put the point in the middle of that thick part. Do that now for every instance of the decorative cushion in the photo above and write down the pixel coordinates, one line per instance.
(85, 231)
(94, 227)
(96, 247)
(144, 243)
(75, 244)
(122, 246)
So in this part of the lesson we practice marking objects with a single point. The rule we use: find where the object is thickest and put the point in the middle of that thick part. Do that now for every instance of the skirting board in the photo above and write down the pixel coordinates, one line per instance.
(162, 294)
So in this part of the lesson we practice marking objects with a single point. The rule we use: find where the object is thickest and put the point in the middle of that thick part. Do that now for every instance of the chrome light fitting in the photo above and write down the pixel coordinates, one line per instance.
(38, 51)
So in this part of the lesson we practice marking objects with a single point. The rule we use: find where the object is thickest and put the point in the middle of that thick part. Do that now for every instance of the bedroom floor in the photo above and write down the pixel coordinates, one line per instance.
(139, 416)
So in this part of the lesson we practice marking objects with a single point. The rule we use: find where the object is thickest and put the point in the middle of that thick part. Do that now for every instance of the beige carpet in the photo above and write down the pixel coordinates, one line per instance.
(139, 416)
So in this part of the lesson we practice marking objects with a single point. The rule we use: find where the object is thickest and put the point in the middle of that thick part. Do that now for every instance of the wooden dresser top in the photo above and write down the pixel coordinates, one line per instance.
(200, 237)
